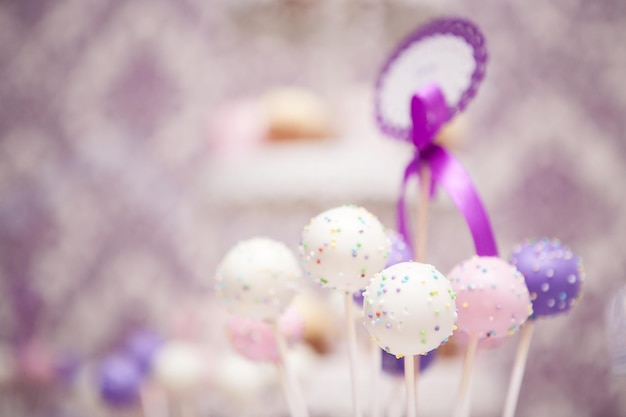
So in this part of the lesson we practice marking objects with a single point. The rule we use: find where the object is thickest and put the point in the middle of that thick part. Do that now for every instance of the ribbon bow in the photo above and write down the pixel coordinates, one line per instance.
(428, 113)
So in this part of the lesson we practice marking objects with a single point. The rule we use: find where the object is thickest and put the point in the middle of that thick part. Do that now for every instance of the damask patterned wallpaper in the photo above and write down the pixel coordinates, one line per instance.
(107, 218)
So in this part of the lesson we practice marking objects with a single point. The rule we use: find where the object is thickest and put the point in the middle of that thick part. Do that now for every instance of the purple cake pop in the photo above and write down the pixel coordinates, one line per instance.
(395, 366)
(142, 346)
(119, 380)
(553, 274)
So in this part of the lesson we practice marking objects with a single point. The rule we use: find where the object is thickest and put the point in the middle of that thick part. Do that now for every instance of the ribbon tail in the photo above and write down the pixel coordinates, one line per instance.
(402, 217)
(450, 175)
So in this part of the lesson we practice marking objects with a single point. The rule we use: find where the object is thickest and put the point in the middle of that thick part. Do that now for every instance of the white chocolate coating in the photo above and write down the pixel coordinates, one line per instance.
(180, 367)
(409, 308)
(257, 278)
(344, 247)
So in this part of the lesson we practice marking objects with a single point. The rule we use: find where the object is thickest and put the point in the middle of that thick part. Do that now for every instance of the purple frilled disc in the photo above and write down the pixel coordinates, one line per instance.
(449, 52)
(553, 273)
(119, 380)
(395, 366)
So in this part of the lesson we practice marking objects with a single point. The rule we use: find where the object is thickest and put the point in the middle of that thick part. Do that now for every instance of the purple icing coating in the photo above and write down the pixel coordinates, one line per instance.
(400, 250)
(119, 381)
(142, 346)
(553, 273)
(395, 366)
(448, 26)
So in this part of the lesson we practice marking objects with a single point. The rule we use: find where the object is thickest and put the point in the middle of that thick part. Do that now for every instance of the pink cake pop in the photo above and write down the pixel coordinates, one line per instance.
(492, 297)
(256, 341)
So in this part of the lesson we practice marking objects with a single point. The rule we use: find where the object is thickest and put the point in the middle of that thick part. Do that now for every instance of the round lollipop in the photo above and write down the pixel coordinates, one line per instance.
(142, 345)
(493, 302)
(553, 274)
(179, 367)
(492, 297)
(257, 277)
(119, 381)
(344, 247)
(255, 340)
(409, 309)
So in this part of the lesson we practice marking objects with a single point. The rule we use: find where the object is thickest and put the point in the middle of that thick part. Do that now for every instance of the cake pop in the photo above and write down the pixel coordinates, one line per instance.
(119, 381)
(554, 276)
(395, 366)
(492, 297)
(142, 346)
(257, 278)
(179, 367)
(255, 340)
(342, 248)
(409, 308)
(553, 273)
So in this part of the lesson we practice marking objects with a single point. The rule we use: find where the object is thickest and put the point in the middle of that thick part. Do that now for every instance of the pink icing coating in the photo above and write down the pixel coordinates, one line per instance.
(492, 297)
(254, 339)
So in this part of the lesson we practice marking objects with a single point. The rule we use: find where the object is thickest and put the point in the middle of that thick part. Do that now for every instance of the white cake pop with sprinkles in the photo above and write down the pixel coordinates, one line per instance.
(257, 278)
(409, 309)
(344, 247)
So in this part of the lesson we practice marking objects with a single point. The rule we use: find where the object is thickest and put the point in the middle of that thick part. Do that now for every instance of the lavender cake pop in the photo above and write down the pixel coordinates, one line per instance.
(553, 273)
(119, 381)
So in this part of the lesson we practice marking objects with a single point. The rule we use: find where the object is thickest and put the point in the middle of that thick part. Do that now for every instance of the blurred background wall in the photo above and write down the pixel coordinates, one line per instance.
(115, 205)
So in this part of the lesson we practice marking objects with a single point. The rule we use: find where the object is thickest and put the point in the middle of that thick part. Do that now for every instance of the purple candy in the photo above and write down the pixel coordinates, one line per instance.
(142, 346)
(400, 252)
(119, 381)
(395, 366)
(553, 273)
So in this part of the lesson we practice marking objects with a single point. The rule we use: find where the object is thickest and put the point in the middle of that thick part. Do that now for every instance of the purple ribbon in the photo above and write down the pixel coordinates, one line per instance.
(428, 113)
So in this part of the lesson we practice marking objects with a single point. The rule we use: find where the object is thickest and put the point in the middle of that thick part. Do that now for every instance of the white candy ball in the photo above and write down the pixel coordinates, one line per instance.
(409, 308)
(257, 277)
(344, 247)
(180, 367)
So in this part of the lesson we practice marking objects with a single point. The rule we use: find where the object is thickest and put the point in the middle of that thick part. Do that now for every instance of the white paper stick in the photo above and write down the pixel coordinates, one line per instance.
(376, 371)
(293, 393)
(419, 246)
(352, 353)
(463, 400)
(518, 369)
(409, 380)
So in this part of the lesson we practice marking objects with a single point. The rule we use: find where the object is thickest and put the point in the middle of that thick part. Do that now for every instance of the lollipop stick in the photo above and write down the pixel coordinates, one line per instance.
(409, 378)
(376, 361)
(463, 399)
(396, 402)
(416, 373)
(293, 394)
(518, 369)
(419, 245)
(352, 352)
